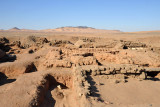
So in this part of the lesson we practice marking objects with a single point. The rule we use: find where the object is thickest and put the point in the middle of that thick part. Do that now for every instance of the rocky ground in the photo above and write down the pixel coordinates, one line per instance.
(119, 70)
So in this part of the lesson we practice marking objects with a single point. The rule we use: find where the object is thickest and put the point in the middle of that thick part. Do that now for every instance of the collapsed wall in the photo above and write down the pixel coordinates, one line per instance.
(133, 45)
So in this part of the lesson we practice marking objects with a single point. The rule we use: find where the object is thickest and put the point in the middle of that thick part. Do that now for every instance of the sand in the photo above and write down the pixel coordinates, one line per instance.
(79, 67)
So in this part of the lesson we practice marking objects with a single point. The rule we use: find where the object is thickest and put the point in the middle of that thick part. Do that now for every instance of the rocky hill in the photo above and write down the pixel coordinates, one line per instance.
(81, 29)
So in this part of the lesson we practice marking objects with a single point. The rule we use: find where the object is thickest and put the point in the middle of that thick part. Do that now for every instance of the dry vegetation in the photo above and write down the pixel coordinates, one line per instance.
(74, 68)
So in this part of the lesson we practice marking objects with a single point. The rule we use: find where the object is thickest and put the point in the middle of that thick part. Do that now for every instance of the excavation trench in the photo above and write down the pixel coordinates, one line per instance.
(56, 92)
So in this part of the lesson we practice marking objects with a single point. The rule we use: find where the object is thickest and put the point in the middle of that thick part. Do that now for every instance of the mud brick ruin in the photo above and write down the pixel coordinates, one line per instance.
(44, 71)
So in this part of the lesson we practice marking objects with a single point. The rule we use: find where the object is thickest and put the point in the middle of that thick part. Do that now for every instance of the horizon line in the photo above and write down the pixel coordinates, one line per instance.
(82, 27)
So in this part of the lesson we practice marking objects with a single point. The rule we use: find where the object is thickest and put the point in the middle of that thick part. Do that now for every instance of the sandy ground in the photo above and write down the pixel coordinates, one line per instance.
(69, 67)
(134, 93)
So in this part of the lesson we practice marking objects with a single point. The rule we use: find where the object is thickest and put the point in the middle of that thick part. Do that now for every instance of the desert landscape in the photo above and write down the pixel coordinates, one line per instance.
(79, 67)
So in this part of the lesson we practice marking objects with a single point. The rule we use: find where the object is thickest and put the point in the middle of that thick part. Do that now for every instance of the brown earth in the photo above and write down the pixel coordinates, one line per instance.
(79, 67)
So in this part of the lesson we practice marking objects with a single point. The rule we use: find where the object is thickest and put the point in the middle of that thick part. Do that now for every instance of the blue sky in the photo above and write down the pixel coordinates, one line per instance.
(124, 15)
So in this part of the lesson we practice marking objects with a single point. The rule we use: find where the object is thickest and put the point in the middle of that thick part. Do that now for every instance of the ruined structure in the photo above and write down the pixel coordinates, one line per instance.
(62, 72)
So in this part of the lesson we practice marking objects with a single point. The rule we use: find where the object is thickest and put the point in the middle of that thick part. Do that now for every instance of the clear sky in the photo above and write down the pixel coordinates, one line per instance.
(124, 15)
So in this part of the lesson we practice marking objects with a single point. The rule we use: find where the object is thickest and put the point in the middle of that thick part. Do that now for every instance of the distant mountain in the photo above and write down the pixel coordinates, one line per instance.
(15, 28)
(76, 29)
(68, 29)
(81, 27)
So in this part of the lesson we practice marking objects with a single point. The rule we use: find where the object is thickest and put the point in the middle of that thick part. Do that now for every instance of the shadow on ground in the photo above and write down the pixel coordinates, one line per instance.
(4, 79)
